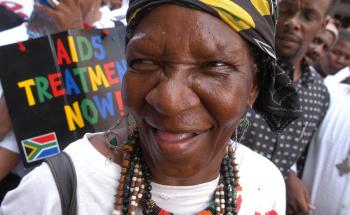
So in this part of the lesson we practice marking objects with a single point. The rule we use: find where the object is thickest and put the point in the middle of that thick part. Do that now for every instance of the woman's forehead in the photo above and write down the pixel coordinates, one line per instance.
(171, 25)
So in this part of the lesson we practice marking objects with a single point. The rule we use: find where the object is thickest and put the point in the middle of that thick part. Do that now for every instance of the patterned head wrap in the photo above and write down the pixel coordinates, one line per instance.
(255, 21)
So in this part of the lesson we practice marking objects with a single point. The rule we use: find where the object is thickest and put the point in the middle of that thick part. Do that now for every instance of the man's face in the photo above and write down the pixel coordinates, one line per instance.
(338, 57)
(320, 46)
(299, 22)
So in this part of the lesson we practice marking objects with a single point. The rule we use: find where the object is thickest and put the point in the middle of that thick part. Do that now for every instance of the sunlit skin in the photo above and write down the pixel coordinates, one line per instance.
(299, 22)
(320, 46)
(188, 83)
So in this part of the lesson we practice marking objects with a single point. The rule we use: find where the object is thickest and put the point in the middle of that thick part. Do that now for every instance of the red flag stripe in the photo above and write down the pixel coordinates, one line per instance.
(44, 138)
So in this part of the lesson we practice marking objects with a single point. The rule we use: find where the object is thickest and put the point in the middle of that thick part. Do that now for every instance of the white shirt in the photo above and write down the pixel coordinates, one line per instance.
(14, 35)
(339, 76)
(263, 188)
(330, 192)
(120, 13)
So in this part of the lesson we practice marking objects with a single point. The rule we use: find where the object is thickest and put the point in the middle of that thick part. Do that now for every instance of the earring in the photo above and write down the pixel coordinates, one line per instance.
(123, 133)
(121, 137)
(241, 129)
(113, 138)
(232, 146)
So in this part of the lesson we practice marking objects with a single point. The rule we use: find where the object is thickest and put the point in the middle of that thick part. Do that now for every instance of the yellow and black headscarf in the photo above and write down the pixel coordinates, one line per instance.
(255, 21)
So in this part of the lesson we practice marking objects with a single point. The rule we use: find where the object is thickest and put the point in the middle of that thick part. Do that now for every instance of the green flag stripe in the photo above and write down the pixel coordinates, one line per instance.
(38, 148)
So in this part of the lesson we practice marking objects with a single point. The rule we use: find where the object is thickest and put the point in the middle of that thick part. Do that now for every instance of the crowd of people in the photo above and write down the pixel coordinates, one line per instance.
(241, 108)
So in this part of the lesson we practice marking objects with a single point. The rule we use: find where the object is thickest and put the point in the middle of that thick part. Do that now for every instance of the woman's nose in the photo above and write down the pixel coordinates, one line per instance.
(173, 95)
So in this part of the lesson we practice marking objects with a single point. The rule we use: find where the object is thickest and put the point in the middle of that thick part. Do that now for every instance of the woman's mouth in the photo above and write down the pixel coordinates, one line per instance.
(174, 143)
(169, 137)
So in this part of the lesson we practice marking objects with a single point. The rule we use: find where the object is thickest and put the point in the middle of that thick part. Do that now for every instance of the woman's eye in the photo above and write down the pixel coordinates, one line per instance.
(215, 64)
(144, 65)
(216, 68)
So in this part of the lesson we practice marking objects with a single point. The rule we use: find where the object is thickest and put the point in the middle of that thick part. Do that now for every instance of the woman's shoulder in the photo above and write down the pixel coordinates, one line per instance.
(36, 192)
(262, 185)
(256, 164)
(90, 154)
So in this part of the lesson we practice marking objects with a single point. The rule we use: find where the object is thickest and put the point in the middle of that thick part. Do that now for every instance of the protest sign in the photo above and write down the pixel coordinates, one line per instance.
(61, 86)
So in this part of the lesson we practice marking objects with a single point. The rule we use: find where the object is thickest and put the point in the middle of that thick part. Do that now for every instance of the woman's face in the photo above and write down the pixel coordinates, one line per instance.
(188, 83)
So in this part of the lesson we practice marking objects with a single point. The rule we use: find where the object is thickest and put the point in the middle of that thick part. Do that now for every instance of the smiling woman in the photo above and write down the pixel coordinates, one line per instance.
(182, 78)
(193, 70)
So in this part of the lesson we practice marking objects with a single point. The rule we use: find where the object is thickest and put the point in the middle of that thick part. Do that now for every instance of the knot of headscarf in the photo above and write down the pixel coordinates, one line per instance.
(255, 21)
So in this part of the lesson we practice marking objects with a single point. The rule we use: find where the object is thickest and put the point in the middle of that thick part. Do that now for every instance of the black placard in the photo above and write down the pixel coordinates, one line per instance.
(59, 87)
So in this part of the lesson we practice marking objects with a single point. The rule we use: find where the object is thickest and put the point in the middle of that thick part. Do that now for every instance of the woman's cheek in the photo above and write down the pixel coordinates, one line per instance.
(224, 98)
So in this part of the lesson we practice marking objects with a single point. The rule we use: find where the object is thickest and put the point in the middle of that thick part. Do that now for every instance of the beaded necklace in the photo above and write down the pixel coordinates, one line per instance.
(135, 181)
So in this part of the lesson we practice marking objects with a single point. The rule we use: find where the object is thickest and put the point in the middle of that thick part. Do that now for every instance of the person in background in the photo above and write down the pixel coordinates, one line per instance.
(68, 14)
(322, 43)
(337, 58)
(116, 10)
(13, 17)
(119, 14)
(299, 22)
(8, 152)
(23, 8)
(327, 168)
(5, 122)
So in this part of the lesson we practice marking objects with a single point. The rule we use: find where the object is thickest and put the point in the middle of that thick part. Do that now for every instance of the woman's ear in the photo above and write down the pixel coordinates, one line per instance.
(254, 88)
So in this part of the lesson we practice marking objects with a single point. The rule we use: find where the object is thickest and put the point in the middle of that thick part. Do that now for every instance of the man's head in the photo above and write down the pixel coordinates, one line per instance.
(299, 22)
(322, 44)
(338, 57)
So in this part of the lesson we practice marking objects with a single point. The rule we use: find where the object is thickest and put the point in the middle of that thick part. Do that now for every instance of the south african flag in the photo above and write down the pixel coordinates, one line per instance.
(40, 147)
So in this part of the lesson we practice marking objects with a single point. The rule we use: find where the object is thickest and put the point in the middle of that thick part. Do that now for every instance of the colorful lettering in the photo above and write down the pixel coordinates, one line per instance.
(70, 83)
(81, 73)
(111, 73)
(72, 49)
(89, 111)
(100, 53)
(104, 105)
(74, 116)
(27, 87)
(62, 53)
(42, 87)
(56, 84)
(97, 78)
(121, 67)
(84, 48)
(118, 98)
